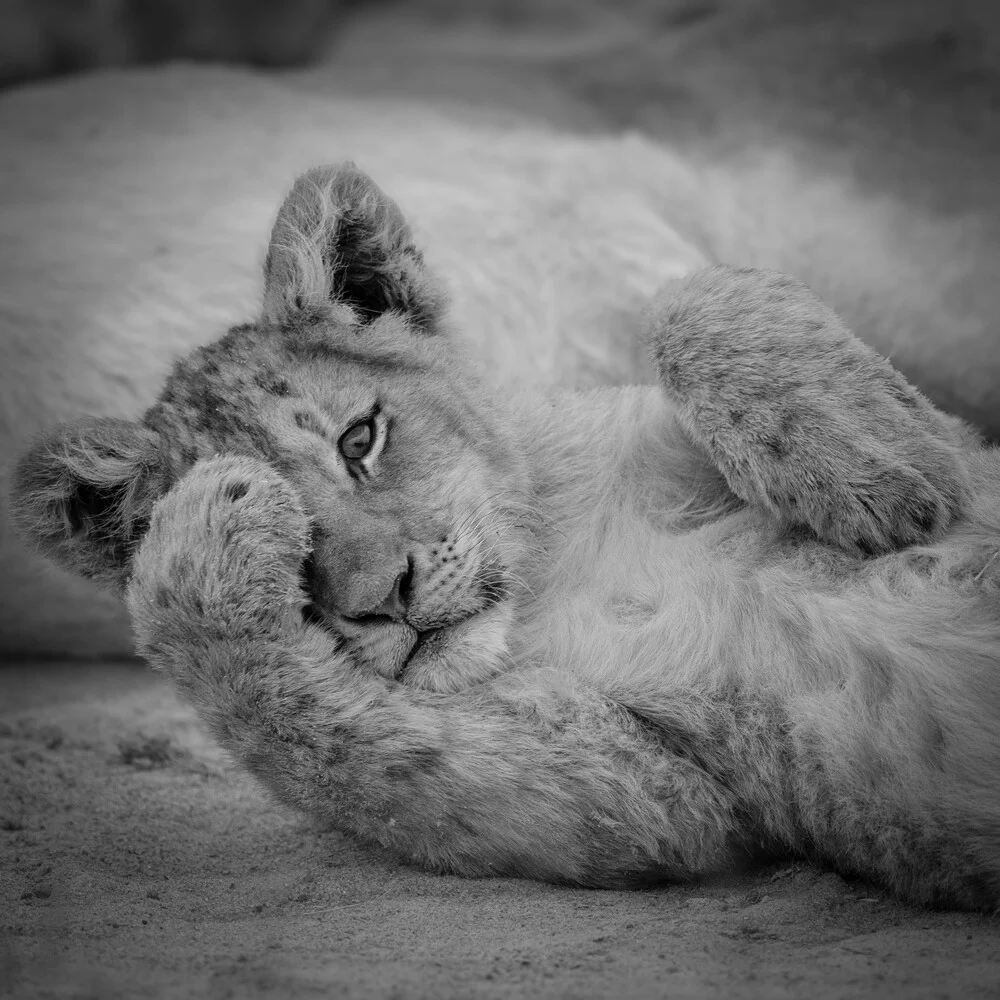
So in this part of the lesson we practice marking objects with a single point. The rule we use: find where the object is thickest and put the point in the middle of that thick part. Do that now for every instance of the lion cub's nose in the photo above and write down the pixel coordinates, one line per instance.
(394, 604)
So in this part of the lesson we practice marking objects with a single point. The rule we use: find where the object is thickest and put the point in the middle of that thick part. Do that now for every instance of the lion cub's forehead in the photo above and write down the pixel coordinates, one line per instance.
(223, 394)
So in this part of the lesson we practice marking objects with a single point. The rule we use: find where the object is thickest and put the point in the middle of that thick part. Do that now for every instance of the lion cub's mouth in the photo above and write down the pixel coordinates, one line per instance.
(428, 642)
(433, 648)
(388, 647)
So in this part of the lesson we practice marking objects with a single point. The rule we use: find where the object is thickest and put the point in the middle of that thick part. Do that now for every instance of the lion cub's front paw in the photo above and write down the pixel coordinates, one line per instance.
(871, 504)
(223, 553)
(802, 417)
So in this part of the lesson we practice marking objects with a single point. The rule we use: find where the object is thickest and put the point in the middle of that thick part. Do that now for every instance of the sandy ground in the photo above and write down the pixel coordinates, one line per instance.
(136, 862)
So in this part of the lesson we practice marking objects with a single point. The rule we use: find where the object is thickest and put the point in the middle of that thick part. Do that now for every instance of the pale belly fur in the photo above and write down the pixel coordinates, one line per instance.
(644, 594)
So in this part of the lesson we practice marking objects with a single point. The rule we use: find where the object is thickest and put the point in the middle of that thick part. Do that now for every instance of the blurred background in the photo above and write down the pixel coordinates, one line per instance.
(896, 71)
(902, 96)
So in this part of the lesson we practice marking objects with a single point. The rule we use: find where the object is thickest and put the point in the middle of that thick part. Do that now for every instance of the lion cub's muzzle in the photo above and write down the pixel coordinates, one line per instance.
(387, 618)
(364, 597)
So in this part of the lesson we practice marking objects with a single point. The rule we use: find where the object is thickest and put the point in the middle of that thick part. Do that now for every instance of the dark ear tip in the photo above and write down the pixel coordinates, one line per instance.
(344, 190)
(346, 173)
(333, 209)
(327, 173)
(337, 182)
(37, 503)
(35, 476)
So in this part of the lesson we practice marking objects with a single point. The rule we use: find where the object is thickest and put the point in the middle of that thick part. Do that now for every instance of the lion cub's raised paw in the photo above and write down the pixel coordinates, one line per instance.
(224, 553)
(800, 416)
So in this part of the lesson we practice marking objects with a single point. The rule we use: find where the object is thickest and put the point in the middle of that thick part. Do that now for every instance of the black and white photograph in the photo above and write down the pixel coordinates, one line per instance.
(499, 499)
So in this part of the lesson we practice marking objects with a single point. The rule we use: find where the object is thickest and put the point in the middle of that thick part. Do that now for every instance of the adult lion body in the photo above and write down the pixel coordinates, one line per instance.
(608, 638)
(134, 204)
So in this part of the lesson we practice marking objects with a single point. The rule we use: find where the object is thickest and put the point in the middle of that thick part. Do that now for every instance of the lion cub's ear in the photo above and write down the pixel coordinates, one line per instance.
(339, 238)
(84, 491)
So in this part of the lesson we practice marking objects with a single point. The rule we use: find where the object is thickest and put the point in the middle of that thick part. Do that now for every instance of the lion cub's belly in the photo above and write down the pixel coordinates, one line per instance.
(655, 572)
(731, 597)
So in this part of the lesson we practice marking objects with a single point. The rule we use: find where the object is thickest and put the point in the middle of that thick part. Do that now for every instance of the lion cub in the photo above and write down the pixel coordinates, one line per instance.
(605, 638)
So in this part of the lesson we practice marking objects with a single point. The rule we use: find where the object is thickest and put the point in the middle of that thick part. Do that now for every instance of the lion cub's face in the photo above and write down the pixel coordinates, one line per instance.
(345, 385)
(414, 490)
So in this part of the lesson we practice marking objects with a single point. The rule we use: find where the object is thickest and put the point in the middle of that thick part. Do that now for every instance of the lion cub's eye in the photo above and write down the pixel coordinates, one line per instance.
(357, 441)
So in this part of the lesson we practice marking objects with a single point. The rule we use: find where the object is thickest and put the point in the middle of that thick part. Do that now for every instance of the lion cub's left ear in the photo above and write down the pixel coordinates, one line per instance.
(339, 238)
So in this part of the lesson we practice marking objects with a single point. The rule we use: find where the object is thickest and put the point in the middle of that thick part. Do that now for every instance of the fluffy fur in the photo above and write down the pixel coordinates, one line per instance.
(604, 638)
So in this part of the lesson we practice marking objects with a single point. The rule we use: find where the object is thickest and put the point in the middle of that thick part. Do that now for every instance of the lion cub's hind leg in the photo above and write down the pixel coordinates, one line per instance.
(800, 416)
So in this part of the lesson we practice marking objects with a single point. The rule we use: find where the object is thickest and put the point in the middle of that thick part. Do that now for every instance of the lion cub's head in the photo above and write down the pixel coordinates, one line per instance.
(345, 385)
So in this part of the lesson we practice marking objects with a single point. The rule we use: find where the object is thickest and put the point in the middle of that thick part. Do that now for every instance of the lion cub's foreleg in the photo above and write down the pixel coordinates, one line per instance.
(552, 782)
(800, 416)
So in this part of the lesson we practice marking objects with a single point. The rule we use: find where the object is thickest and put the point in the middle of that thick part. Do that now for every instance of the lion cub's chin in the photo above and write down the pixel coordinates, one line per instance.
(443, 659)
(471, 651)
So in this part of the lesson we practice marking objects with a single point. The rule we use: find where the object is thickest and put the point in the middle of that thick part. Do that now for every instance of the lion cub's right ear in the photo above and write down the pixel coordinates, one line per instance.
(84, 491)
(340, 239)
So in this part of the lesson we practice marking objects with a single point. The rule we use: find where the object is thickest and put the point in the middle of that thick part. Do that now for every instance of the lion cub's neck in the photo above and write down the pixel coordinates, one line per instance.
(614, 456)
